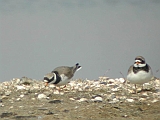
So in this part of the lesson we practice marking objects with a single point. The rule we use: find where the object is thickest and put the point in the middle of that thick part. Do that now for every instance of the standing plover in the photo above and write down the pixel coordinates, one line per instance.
(61, 75)
(140, 72)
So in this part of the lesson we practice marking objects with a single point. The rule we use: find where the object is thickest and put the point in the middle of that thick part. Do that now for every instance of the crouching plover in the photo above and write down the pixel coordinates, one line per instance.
(140, 72)
(61, 75)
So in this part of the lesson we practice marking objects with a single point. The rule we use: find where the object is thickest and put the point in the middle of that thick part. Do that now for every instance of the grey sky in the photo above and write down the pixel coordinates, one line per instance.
(37, 36)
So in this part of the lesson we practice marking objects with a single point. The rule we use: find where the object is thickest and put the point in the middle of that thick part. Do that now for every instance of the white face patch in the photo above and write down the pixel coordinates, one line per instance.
(137, 61)
(45, 81)
(139, 65)
(54, 75)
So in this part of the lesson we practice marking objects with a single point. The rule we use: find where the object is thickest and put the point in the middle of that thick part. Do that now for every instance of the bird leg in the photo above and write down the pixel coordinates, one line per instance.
(59, 88)
(46, 84)
(64, 86)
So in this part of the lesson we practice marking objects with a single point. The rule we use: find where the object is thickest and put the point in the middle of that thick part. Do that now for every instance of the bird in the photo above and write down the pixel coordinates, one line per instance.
(61, 75)
(140, 72)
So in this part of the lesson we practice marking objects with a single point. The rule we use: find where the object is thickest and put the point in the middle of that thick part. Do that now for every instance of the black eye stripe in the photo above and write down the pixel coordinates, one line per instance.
(141, 61)
(138, 59)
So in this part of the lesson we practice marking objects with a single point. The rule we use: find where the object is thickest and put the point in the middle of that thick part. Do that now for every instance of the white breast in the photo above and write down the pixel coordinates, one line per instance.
(140, 77)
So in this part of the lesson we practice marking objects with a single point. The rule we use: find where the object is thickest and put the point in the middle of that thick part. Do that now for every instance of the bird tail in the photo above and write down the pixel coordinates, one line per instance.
(76, 67)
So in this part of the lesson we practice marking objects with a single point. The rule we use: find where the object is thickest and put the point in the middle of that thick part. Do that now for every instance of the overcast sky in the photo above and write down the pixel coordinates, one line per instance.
(38, 35)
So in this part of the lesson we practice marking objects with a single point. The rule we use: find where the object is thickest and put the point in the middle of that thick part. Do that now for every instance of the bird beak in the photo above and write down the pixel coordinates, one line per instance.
(137, 62)
(46, 84)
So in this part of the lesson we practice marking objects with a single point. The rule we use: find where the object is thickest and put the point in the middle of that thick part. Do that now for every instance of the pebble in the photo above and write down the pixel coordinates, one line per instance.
(11, 107)
(21, 106)
(20, 87)
(26, 86)
(55, 101)
(129, 100)
(114, 89)
(103, 78)
(111, 96)
(122, 80)
(18, 99)
(42, 96)
(111, 81)
(7, 93)
(97, 99)
(144, 94)
(142, 99)
(36, 86)
(122, 97)
(125, 116)
(48, 112)
(21, 96)
(58, 92)
(1, 105)
(115, 100)
(72, 99)
(6, 114)
(25, 80)
(4, 97)
(155, 100)
(33, 98)
(82, 100)
(16, 80)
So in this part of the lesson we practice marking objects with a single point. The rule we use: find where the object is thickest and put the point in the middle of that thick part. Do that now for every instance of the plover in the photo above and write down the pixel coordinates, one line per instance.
(140, 72)
(61, 75)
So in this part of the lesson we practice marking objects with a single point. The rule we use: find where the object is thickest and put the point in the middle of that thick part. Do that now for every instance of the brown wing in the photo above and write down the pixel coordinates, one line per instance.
(130, 69)
(65, 70)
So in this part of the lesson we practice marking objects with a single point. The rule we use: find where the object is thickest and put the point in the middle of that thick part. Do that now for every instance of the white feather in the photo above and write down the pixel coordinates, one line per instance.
(140, 77)
(64, 80)
(54, 75)
(78, 69)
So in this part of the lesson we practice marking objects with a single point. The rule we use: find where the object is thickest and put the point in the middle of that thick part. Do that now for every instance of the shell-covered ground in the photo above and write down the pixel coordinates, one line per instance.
(102, 99)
